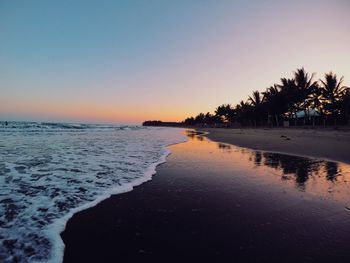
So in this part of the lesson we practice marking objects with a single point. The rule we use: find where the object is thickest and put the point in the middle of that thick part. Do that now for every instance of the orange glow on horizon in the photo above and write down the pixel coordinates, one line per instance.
(218, 55)
(91, 113)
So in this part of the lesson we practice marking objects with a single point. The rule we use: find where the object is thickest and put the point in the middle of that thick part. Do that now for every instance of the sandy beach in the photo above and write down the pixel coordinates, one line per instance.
(218, 202)
(175, 131)
(323, 143)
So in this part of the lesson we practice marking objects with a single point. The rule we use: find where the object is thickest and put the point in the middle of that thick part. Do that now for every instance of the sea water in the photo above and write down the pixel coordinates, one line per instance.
(49, 171)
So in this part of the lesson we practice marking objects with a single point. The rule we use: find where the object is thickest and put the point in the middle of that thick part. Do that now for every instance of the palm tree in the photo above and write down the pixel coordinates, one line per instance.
(231, 115)
(222, 112)
(190, 121)
(289, 92)
(306, 87)
(243, 111)
(344, 106)
(199, 119)
(329, 98)
(316, 102)
(256, 99)
(331, 92)
(275, 103)
(256, 102)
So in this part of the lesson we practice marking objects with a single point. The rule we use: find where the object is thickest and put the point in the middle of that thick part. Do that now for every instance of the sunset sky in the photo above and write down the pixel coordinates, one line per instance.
(128, 61)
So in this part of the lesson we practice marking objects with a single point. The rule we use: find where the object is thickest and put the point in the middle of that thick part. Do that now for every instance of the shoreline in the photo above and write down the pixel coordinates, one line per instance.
(331, 145)
(60, 224)
(192, 209)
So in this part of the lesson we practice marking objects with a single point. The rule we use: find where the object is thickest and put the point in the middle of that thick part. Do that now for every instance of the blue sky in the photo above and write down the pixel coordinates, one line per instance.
(124, 61)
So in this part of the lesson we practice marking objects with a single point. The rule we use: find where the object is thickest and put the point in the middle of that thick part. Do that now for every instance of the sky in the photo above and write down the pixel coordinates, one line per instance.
(129, 61)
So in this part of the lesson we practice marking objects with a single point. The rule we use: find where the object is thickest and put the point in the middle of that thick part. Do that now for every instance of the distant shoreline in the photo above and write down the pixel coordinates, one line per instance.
(237, 126)
(326, 143)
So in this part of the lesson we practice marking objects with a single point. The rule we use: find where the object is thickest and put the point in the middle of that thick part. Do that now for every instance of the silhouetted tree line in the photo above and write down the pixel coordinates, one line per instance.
(294, 101)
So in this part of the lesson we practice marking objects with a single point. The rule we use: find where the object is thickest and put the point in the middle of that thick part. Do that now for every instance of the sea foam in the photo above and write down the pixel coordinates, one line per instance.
(50, 171)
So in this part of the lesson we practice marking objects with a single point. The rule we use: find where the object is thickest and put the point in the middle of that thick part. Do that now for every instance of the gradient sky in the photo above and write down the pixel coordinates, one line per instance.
(127, 61)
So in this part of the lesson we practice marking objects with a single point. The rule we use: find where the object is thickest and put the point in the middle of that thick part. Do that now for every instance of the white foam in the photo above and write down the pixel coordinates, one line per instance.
(43, 186)
(58, 227)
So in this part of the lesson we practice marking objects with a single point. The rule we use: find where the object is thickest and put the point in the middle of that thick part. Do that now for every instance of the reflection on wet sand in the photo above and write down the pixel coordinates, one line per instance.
(221, 203)
(300, 167)
(307, 174)
(194, 135)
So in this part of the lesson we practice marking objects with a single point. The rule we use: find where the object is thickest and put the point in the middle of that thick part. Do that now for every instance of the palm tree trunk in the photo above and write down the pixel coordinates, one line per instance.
(276, 118)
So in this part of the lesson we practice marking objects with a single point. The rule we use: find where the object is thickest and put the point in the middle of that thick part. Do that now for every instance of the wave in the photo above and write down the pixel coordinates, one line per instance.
(47, 177)
(58, 227)
(51, 127)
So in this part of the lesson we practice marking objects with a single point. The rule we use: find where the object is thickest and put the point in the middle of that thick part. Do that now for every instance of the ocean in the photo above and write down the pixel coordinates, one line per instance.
(49, 171)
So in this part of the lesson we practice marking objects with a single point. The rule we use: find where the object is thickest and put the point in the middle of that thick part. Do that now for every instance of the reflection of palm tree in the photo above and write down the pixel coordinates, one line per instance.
(272, 160)
(331, 170)
(257, 158)
(200, 138)
(302, 175)
(224, 146)
(191, 134)
(300, 167)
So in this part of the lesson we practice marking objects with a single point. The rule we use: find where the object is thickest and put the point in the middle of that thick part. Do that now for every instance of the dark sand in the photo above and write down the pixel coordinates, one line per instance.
(221, 203)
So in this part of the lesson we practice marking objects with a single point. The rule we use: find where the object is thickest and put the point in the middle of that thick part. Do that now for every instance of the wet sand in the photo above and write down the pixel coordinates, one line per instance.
(324, 143)
(218, 202)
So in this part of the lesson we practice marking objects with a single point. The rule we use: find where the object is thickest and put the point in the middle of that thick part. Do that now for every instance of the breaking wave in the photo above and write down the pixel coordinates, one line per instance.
(49, 171)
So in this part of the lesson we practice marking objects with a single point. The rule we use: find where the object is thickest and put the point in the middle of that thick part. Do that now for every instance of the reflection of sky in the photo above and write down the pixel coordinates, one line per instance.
(311, 176)
(115, 61)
